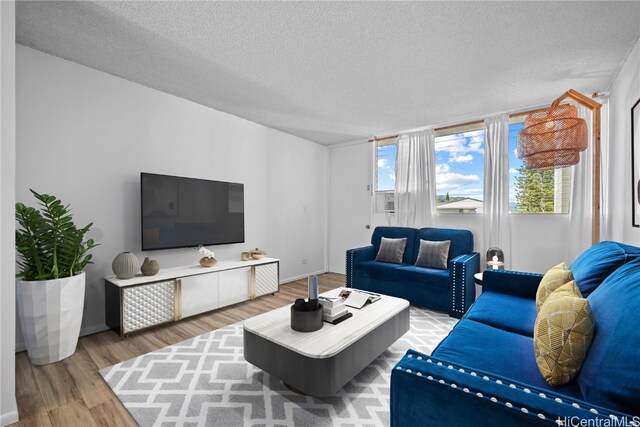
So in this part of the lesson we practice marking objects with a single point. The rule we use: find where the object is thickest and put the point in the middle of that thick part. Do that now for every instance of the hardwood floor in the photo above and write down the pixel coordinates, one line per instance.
(72, 392)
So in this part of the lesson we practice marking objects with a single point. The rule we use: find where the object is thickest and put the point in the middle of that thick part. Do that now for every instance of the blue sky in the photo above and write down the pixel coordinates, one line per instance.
(386, 167)
(459, 164)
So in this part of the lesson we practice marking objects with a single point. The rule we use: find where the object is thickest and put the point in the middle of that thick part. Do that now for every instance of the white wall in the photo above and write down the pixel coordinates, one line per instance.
(8, 408)
(85, 136)
(349, 201)
(625, 91)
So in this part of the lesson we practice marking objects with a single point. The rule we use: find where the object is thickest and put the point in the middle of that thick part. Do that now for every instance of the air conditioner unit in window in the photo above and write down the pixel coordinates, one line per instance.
(389, 203)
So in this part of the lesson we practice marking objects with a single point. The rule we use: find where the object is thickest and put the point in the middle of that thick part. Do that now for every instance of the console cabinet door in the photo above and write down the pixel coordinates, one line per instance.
(148, 305)
(199, 294)
(266, 279)
(233, 286)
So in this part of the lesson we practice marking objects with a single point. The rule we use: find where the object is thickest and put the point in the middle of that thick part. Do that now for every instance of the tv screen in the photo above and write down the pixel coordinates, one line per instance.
(180, 212)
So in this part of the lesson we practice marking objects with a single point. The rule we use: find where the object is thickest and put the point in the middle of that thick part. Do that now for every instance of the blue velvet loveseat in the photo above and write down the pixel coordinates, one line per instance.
(451, 290)
(485, 374)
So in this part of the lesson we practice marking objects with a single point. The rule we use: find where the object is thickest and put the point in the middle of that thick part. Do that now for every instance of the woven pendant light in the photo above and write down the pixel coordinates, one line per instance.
(552, 138)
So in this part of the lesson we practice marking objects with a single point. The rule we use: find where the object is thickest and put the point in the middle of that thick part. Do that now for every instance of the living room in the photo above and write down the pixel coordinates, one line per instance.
(297, 102)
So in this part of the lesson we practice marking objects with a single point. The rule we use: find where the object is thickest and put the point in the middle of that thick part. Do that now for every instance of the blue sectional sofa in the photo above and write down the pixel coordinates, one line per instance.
(451, 290)
(485, 374)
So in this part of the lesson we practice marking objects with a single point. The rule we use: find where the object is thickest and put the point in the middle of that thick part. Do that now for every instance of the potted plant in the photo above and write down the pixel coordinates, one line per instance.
(50, 289)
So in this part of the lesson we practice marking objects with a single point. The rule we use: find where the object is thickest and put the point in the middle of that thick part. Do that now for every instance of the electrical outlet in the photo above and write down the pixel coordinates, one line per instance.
(304, 261)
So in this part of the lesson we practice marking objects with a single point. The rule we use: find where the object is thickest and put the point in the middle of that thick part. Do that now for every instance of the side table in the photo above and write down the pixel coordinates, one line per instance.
(477, 278)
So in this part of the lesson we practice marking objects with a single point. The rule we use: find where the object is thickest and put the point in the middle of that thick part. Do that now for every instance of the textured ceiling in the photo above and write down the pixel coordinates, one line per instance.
(333, 72)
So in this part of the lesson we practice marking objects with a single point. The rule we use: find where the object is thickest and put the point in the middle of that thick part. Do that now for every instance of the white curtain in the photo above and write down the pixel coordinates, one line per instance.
(605, 196)
(496, 225)
(581, 195)
(415, 192)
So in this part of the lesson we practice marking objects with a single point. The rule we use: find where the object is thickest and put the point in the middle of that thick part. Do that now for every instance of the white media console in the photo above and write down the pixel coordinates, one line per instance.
(176, 293)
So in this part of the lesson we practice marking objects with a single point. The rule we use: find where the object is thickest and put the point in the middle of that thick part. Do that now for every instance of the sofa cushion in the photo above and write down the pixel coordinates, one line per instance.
(509, 312)
(610, 376)
(379, 270)
(424, 277)
(391, 250)
(554, 278)
(563, 334)
(433, 254)
(396, 233)
(461, 240)
(598, 262)
(490, 349)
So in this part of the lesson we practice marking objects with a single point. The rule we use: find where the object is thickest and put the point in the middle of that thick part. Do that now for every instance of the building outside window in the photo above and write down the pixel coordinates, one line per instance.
(460, 171)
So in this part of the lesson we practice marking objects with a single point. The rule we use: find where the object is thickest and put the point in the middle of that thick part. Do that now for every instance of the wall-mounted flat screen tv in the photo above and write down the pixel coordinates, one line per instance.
(179, 212)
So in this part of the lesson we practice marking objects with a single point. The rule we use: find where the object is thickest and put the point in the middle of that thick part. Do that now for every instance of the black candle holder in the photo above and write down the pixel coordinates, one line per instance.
(306, 317)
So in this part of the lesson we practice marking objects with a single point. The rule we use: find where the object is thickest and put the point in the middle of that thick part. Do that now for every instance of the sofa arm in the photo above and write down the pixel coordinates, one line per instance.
(517, 283)
(461, 283)
(353, 257)
(427, 391)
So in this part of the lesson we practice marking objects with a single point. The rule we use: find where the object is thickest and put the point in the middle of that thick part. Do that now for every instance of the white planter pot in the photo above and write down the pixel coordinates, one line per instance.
(50, 315)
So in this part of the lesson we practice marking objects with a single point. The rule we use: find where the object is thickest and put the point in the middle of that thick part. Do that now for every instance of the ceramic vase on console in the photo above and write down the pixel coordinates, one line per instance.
(150, 267)
(209, 258)
(257, 253)
(125, 265)
(208, 261)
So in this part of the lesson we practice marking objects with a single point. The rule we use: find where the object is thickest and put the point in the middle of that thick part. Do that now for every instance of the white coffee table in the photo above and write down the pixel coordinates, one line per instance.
(320, 363)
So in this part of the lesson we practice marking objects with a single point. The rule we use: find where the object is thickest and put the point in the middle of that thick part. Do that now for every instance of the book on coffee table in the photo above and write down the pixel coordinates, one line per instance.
(340, 319)
(356, 299)
(329, 302)
(338, 310)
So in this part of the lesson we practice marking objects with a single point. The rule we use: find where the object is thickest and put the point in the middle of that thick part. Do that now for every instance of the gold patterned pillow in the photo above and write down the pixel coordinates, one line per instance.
(552, 280)
(563, 333)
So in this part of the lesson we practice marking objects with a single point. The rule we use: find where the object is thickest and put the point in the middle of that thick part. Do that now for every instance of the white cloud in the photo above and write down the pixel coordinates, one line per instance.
(442, 168)
(460, 158)
(459, 146)
(513, 170)
(515, 152)
(383, 163)
(451, 145)
(392, 176)
(451, 181)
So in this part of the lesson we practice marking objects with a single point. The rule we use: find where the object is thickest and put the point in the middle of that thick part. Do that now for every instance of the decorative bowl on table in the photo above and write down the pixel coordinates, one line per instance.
(258, 254)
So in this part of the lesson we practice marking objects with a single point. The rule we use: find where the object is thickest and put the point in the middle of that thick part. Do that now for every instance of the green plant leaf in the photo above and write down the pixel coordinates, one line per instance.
(48, 242)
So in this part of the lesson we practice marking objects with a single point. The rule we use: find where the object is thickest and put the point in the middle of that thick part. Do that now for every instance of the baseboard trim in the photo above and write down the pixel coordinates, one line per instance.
(9, 418)
(302, 276)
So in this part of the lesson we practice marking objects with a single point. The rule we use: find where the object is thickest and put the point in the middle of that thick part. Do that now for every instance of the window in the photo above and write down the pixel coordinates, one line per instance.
(460, 172)
(546, 191)
(386, 166)
(459, 158)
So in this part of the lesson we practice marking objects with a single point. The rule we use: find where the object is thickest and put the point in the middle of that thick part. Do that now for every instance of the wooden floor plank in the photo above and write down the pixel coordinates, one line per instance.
(74, 413)
(72, 392)
(40, 420)
(56, 385)
(112, 413)
(88, 381)
(31, 404)
(25, 380)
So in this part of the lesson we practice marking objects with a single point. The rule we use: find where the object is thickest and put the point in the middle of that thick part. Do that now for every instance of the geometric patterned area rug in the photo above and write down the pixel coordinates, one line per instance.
(205, 381)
